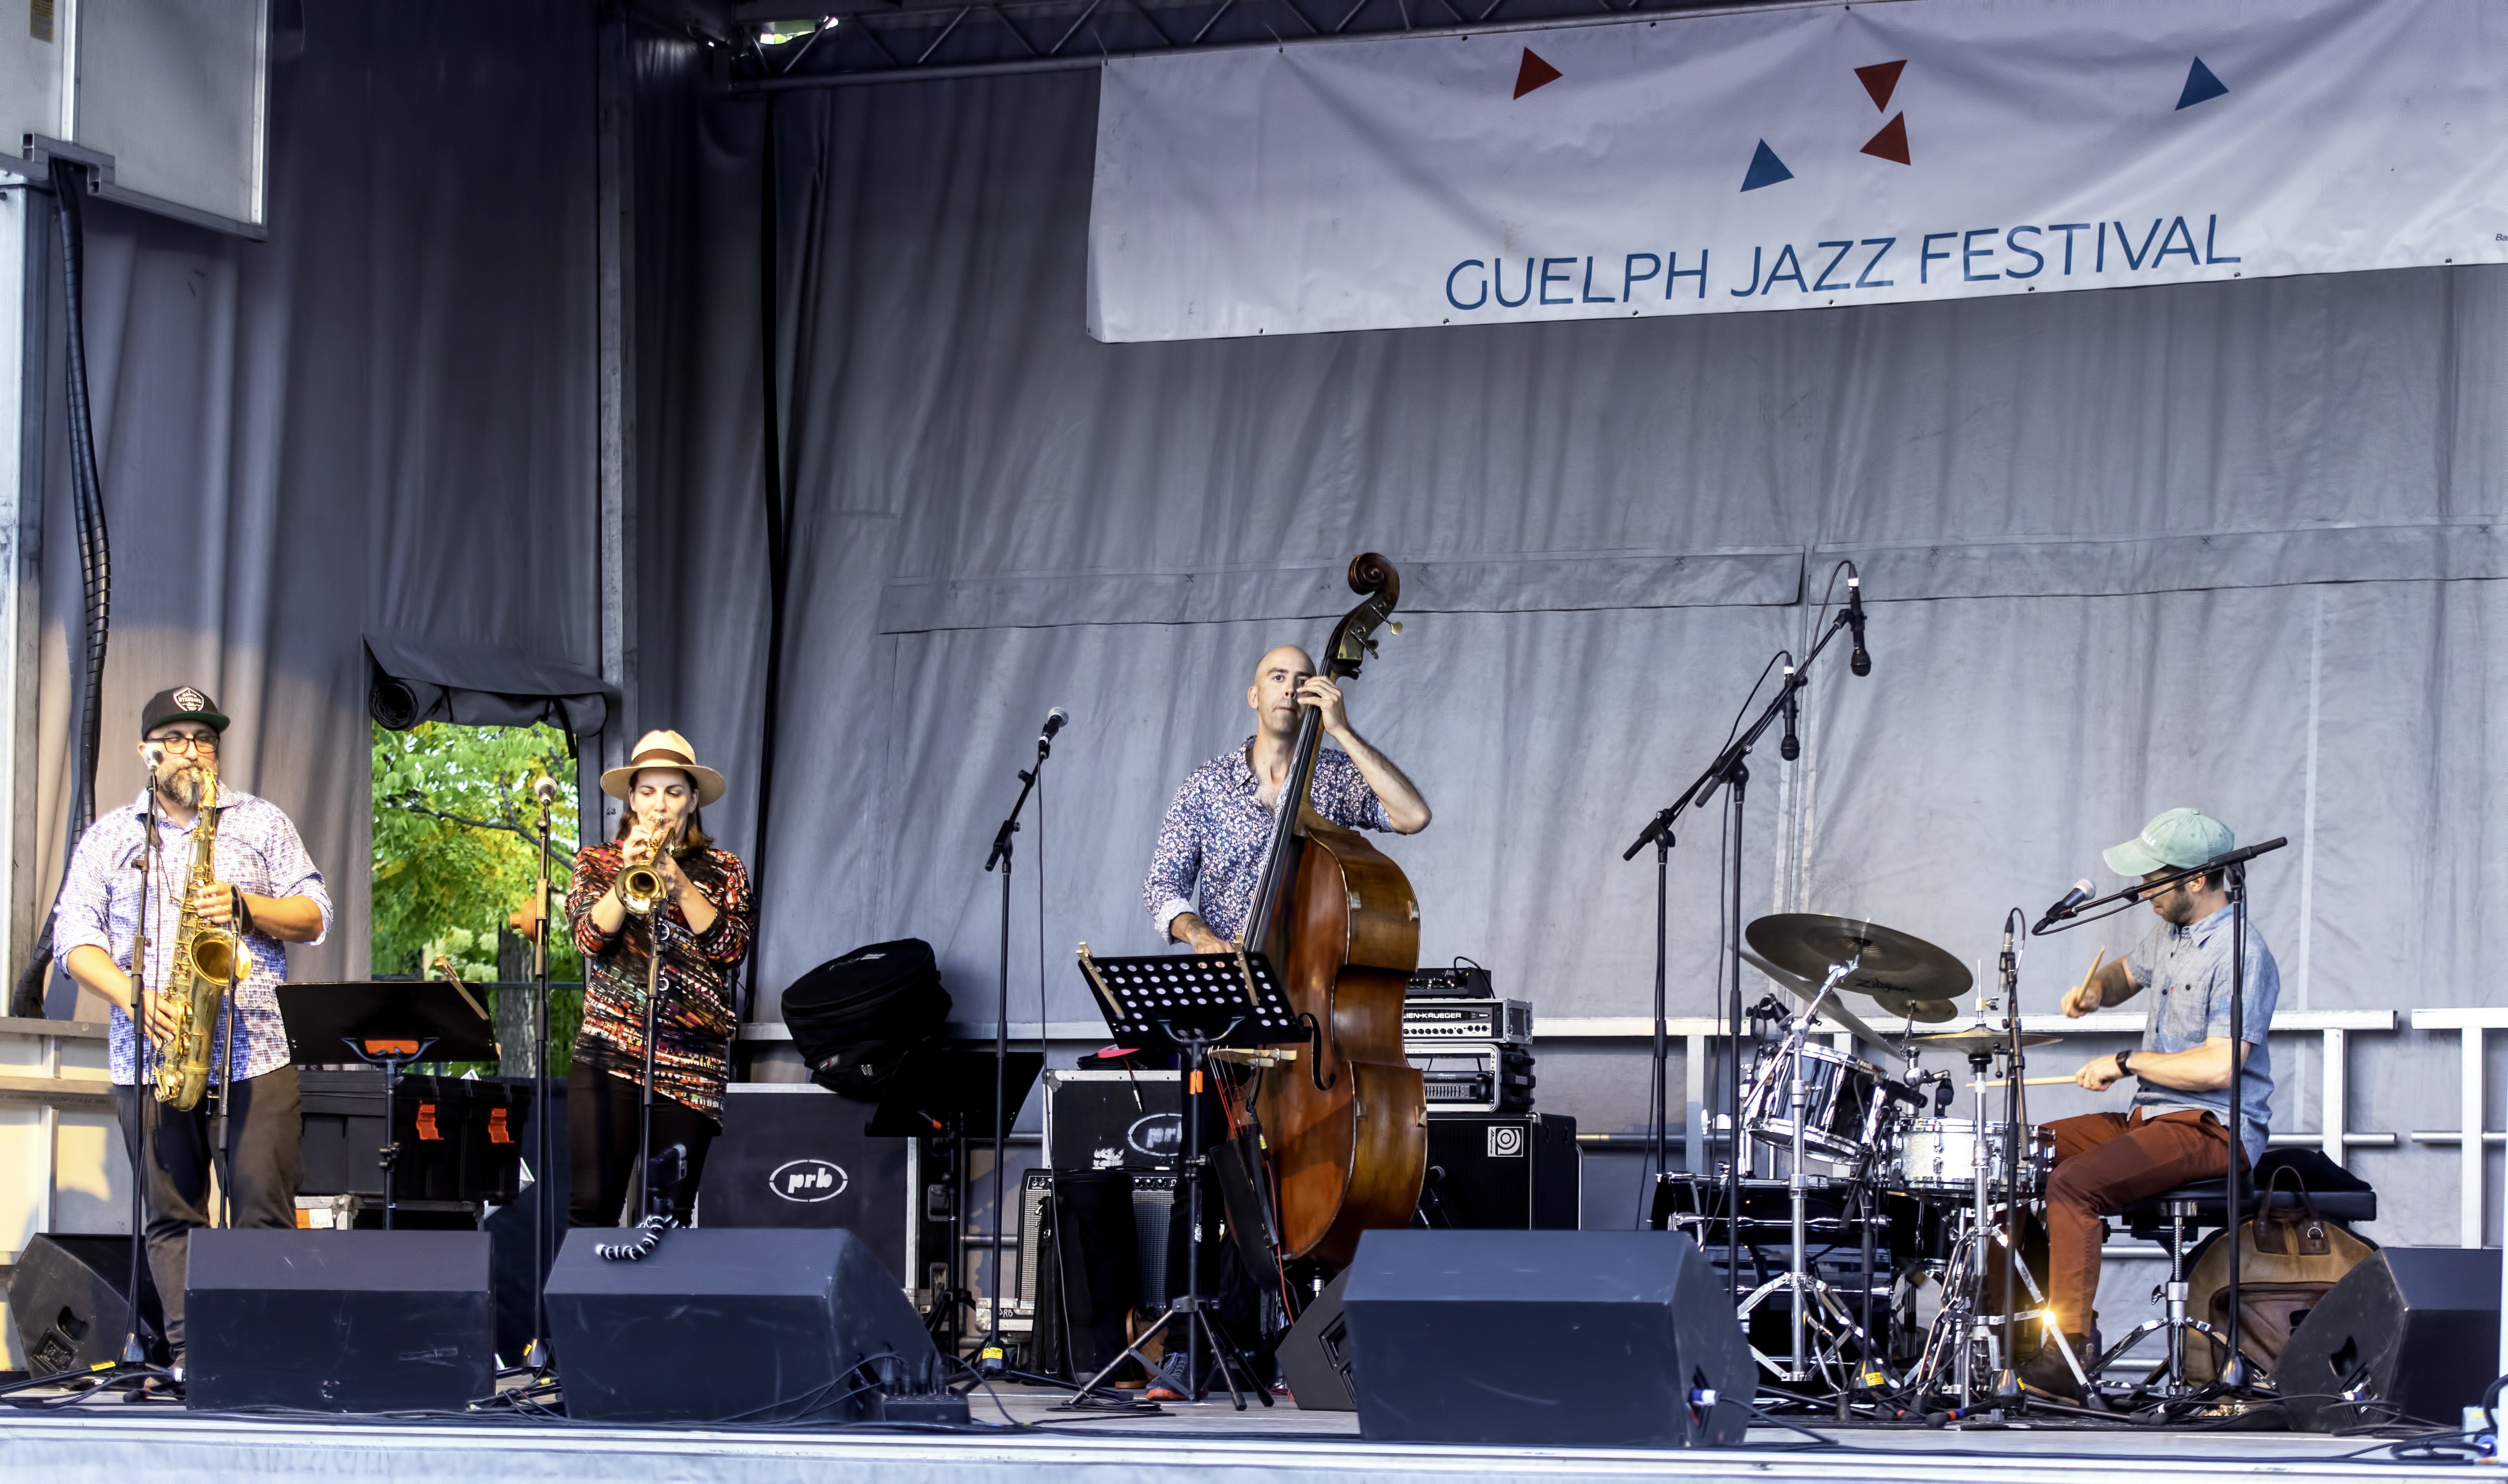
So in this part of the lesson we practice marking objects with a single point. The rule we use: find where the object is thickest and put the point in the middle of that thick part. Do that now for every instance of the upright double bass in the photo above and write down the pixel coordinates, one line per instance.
(1347, 1128)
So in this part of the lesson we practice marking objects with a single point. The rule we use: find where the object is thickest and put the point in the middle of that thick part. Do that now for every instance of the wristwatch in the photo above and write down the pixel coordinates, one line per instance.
(2124, 1064)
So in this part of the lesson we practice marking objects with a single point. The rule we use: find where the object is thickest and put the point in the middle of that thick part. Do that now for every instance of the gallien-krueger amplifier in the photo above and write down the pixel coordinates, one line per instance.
(1474, 1076)
(1439, 1019)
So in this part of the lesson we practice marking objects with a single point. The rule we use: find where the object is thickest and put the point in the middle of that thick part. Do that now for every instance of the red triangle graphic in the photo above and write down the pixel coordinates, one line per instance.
(1881, 80)
(1535, 73)
(1892, 142)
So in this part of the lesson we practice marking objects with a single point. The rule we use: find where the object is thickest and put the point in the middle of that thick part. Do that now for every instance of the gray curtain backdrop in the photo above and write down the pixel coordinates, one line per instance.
(2225, 546)
(382, 419)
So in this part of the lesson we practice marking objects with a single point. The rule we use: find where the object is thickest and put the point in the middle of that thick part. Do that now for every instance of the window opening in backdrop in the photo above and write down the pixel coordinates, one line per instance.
(455, 856)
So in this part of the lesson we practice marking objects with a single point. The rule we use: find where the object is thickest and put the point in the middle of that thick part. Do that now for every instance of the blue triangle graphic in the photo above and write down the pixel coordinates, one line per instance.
(2201, 87)
(1766, 169)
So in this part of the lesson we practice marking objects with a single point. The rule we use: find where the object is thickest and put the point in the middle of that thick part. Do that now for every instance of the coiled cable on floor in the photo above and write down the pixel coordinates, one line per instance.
(95, 559)
(651, 1229)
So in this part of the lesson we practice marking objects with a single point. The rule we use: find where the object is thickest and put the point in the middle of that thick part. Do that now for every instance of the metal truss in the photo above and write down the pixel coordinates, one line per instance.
(882, 41)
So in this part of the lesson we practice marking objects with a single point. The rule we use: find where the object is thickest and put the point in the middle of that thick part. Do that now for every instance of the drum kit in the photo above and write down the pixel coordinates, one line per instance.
(1943, 1194)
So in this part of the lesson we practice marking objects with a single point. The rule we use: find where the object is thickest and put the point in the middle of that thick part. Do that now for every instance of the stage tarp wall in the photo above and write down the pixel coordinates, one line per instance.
(2228, 545)
(379, 419)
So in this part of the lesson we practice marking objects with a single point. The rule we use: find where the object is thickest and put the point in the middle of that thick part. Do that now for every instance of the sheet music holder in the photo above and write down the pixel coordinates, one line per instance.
(452, 1018)
(1181, 1000)
(388, 1024)
(946, 1092)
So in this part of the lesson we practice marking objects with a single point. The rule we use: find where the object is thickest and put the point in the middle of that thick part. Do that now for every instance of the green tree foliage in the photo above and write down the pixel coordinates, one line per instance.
(456, 850)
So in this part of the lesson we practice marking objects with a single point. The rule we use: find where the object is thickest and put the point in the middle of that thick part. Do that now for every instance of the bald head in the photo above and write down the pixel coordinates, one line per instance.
(1274, 695)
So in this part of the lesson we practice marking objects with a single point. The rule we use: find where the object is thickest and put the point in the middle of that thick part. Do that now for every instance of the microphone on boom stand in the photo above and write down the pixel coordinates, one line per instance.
(1861, 662)
(1791, 747)
(1054, 721)
(2082, 892)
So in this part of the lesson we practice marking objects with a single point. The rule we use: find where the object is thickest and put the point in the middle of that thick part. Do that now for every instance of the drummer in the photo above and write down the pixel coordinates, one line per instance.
(2177, 1132)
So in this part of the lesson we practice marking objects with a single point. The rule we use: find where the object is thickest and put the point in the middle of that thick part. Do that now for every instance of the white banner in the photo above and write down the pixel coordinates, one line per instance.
(1777, 160)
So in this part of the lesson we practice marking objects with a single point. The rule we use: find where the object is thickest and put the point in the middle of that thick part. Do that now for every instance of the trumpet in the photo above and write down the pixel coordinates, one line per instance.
(639, 885)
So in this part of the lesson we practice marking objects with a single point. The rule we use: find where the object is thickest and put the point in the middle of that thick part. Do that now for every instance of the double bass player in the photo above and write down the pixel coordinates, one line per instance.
(1220, 824)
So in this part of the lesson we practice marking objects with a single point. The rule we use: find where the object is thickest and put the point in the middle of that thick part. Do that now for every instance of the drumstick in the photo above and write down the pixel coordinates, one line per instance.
(2097, 958)
(2029, 1082)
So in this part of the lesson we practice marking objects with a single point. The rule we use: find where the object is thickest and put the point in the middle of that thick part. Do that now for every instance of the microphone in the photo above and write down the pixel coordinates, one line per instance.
(1862, 661)
(547, 788)
(1054, 721)
(2004, 965)
(2082, 892)
(1792, 747)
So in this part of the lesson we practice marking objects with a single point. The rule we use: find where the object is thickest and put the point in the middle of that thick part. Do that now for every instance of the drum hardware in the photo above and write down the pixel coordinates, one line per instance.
(1848, 1087)
(1905, 968)
(1975, 1039)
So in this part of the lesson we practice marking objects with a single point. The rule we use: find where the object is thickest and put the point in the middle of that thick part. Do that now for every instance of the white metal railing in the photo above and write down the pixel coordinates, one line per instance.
(36, 1076)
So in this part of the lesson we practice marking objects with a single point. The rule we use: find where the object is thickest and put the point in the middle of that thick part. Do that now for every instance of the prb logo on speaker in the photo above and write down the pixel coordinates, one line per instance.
(809, 1181)
(1160, 1136)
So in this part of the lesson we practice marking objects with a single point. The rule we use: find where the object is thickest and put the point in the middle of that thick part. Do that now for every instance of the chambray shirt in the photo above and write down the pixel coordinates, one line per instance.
(257, 849)
(2189, 969)
(1218, 829)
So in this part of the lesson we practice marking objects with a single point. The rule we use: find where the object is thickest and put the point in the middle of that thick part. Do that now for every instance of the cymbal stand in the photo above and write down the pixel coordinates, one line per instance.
(1798, 1282)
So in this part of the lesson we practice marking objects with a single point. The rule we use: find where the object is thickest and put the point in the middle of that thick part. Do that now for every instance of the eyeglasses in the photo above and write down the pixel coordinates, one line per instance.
(198, 747)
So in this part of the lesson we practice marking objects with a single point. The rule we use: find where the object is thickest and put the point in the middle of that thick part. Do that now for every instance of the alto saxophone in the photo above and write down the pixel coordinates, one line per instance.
(205, 965)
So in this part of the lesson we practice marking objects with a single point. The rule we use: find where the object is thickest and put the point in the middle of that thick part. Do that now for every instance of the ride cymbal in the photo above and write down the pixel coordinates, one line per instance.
(1888, 962)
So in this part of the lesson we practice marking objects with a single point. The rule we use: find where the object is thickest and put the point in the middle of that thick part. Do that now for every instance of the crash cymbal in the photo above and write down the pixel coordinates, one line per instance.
(1931, 1012)
(1889, 962)
(1973, 1040)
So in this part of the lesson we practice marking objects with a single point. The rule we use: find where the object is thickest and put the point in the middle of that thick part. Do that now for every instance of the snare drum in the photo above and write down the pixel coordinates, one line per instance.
(1843, 1105)
(1938, 1156)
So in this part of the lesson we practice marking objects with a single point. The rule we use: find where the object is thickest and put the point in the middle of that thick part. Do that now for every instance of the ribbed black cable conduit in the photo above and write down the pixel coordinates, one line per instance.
(95, 560)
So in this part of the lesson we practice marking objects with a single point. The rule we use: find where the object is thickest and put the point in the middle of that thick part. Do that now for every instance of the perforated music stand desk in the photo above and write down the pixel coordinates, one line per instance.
(1193, 1001)
(388, 1024)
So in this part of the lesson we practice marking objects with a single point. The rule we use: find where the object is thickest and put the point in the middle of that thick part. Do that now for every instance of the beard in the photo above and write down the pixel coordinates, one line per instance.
(180, 783)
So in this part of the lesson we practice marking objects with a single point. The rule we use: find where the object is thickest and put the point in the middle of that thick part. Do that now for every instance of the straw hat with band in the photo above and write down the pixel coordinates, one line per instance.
(663, 749)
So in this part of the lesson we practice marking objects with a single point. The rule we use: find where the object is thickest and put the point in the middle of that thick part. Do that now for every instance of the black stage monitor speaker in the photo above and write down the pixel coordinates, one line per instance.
(795, 1154)
(1590, 1339)
(338, 1320)
(66, 1298)
(1315, 1354)
(722, 1324)
(2416, 1328)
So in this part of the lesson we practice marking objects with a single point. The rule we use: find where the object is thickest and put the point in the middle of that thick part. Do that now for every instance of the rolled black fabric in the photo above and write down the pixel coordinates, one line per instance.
(855, 1017)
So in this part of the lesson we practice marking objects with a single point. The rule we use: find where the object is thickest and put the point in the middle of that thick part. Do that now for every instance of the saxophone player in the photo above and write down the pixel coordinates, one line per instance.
(268, 892)
(694, 899)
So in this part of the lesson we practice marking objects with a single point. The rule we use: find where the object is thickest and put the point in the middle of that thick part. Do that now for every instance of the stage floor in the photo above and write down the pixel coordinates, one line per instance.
(112, 1444)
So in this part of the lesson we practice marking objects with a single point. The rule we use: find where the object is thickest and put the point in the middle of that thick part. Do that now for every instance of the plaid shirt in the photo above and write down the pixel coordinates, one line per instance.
(257, 850)
(1218, 829)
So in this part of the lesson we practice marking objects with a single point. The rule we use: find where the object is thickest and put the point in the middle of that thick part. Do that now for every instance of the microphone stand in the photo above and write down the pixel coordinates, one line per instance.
(133, 1353)
(535, 1354)
(1730, 767)
(991, 1356)
(2234, 1375)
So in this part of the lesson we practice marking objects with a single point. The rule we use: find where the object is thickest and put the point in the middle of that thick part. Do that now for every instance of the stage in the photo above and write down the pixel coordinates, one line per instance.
(113, 1442)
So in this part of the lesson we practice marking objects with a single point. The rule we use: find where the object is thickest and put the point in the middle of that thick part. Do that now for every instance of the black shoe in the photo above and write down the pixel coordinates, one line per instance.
(2050, 1373)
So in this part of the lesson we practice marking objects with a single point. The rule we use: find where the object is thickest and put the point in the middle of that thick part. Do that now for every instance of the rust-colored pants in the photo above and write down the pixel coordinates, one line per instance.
(2104, 1162)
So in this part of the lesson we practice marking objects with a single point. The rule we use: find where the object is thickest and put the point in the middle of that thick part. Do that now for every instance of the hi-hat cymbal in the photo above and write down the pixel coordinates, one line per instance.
(1907, 975)
(1974, 1040)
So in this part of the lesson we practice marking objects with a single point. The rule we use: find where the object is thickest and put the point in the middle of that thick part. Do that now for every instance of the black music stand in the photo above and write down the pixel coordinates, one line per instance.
(946, 1092)
(1193, 1003)
(388, 1023)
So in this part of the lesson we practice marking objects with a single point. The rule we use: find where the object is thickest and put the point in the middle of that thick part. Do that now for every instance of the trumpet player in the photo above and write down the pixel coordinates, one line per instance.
(267, 893)
(695, 903)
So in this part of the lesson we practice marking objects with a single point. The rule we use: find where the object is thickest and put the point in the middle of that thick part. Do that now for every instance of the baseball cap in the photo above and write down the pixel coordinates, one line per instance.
(182, 702)
(2181, 837)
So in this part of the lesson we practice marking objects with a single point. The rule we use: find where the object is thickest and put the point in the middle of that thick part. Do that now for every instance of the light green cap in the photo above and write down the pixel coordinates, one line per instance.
(2181, 837)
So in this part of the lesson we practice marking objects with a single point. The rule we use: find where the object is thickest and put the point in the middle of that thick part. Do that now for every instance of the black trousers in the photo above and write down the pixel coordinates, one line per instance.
(601, 1146)
(259, 1186)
